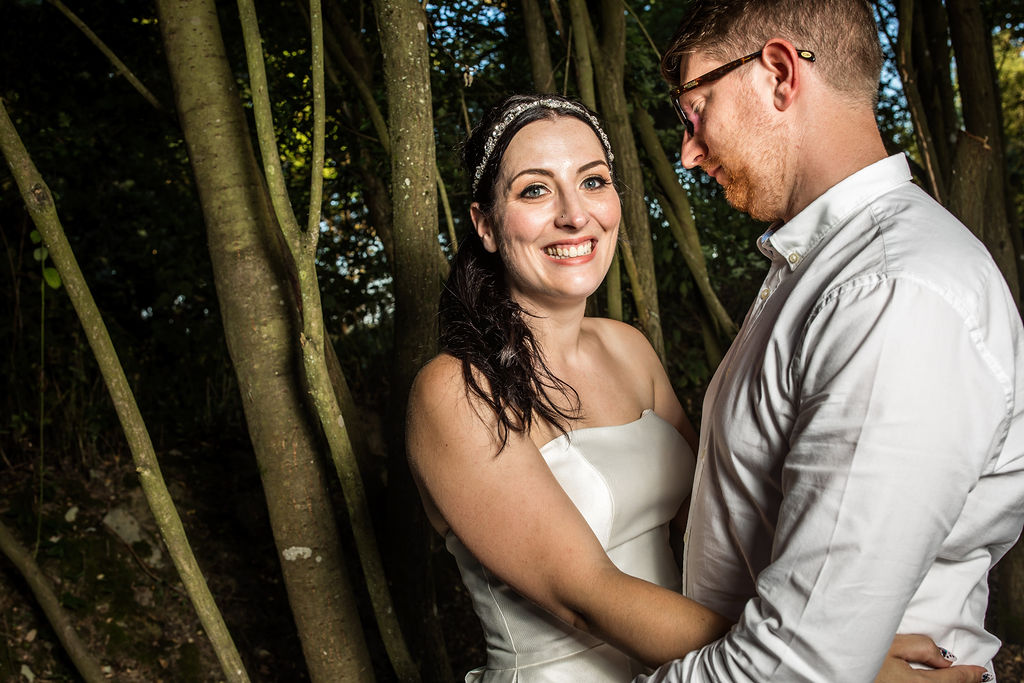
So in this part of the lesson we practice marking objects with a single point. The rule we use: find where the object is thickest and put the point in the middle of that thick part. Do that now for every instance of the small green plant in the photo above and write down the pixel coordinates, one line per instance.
(50, 278)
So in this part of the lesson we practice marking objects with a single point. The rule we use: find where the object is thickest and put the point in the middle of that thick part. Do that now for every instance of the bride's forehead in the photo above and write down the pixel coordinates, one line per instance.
(561, 133)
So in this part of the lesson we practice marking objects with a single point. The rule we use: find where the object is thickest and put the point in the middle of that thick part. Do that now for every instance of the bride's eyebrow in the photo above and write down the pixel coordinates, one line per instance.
(597, 162)
(530, 171)
(544, 172)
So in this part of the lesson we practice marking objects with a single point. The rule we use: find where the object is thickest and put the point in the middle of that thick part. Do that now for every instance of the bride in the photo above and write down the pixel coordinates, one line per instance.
(549, 447)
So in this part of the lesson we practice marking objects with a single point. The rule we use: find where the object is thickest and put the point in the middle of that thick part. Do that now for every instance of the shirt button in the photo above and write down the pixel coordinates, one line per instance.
(765, 293)
(794, 258)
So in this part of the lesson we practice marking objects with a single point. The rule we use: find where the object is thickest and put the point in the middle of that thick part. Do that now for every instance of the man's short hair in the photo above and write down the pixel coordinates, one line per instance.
(841, 33)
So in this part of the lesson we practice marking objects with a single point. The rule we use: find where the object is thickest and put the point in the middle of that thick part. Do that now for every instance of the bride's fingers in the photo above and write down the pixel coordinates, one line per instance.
(896, 670)
(955, 674)
(920, 650)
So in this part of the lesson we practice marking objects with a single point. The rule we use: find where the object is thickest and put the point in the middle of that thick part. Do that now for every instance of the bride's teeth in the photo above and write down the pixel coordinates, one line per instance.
(570, 252)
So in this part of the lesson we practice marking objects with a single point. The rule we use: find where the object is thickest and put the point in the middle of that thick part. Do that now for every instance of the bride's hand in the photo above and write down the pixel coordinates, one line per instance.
(922, 650)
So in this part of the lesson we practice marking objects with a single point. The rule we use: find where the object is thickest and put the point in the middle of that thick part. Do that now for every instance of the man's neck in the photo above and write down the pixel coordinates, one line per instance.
(835, 144)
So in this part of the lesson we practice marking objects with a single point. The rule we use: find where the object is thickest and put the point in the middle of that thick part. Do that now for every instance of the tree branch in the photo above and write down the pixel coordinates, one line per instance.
(118, 64)
(39, 201)
(79, 652)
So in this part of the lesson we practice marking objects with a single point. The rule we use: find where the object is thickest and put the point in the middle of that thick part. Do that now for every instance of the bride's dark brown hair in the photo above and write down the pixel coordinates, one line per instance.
(480, 323)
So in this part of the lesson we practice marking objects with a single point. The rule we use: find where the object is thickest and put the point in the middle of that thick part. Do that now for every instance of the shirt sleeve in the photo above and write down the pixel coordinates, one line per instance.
(899, 406)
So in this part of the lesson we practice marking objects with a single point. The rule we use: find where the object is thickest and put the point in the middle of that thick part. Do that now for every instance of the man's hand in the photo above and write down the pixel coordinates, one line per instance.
(922, 650)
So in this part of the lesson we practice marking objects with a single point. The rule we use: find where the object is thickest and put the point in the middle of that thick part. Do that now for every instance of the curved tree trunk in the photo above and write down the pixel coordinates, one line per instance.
(261, 335)
(83, 658)
(402, 26)
(39, 202)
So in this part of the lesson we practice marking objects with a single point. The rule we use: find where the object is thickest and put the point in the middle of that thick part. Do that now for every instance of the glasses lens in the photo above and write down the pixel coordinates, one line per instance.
(678, 106)
(687, 123)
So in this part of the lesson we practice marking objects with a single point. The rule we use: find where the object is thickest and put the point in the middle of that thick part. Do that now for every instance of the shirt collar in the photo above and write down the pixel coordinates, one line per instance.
(792, 241)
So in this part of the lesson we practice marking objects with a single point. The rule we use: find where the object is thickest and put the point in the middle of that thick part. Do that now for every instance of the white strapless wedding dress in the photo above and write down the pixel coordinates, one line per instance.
(628, 481)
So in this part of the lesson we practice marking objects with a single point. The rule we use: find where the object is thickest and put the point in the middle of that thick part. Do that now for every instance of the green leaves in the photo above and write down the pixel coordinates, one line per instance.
(52, 277)
(40, 254)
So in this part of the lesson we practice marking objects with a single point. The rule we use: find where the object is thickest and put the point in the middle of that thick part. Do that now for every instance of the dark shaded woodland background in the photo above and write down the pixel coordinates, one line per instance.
(200, 296)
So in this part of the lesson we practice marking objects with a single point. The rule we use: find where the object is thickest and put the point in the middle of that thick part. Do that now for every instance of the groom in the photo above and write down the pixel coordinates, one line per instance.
(861, 461)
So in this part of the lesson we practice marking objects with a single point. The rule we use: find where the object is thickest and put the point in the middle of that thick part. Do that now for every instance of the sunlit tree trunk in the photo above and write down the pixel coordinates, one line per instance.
(537, 47)
(256, 296)
(979, 94)
(972, 174)
(402, 27)
(923, 55)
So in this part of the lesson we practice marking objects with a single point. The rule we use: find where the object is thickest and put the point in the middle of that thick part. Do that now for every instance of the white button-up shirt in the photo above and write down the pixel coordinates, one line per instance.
(861, 461)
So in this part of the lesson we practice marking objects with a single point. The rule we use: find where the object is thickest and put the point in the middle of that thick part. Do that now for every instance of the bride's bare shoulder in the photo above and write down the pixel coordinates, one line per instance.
(621, 337)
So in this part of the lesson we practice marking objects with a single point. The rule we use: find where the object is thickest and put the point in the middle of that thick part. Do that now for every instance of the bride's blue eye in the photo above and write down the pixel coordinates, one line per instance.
(594, 182)
(533, 191)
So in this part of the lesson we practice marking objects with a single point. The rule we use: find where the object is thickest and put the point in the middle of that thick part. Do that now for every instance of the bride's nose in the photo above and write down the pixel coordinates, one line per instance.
(573, 215)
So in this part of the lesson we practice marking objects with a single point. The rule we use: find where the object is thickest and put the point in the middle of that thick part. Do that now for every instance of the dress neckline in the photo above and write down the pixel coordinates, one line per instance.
(574, 432)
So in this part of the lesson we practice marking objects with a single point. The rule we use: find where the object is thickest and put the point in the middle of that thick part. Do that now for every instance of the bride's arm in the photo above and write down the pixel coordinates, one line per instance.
(512, 514)
(918, 649)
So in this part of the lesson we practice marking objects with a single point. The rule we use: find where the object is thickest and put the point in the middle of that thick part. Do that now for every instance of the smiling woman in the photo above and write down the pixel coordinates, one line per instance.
(550, 450)
(558, 213)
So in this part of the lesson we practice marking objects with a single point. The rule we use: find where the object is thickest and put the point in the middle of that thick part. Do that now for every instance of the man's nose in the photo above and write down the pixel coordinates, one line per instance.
(692, 151)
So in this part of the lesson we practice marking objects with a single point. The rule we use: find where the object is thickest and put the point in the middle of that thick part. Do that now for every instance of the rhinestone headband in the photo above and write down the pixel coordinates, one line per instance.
(518, 110)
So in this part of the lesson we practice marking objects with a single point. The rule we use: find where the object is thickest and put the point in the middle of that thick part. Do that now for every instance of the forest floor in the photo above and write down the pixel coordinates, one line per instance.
(98, 545)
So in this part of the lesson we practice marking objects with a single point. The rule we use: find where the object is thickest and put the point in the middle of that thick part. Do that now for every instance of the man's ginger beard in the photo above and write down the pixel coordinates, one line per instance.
(753, 168)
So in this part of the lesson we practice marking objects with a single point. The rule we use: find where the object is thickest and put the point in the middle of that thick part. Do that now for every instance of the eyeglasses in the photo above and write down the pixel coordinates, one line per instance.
(714, 75)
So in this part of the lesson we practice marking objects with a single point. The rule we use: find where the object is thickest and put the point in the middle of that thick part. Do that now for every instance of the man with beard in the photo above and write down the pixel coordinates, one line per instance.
(861, 458)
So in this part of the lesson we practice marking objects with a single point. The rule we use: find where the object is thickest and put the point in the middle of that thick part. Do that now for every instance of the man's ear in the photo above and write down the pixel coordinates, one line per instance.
(780, 57)
(483, 227)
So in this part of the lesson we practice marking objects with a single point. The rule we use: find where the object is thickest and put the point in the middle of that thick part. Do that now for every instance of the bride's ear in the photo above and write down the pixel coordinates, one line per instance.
(483, 226)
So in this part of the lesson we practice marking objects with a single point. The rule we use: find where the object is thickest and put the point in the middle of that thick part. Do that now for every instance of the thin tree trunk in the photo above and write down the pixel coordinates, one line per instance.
(908, 74)
(39, 202)
(933, 58)
(261, 333)
(681, 222)
(356, 65)
(109, 54)
(609, 57)
(580, 36)
(401, 25)
(613, 288)
(581, 50)
(972, 44)
(303, 247)
(537, 47)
